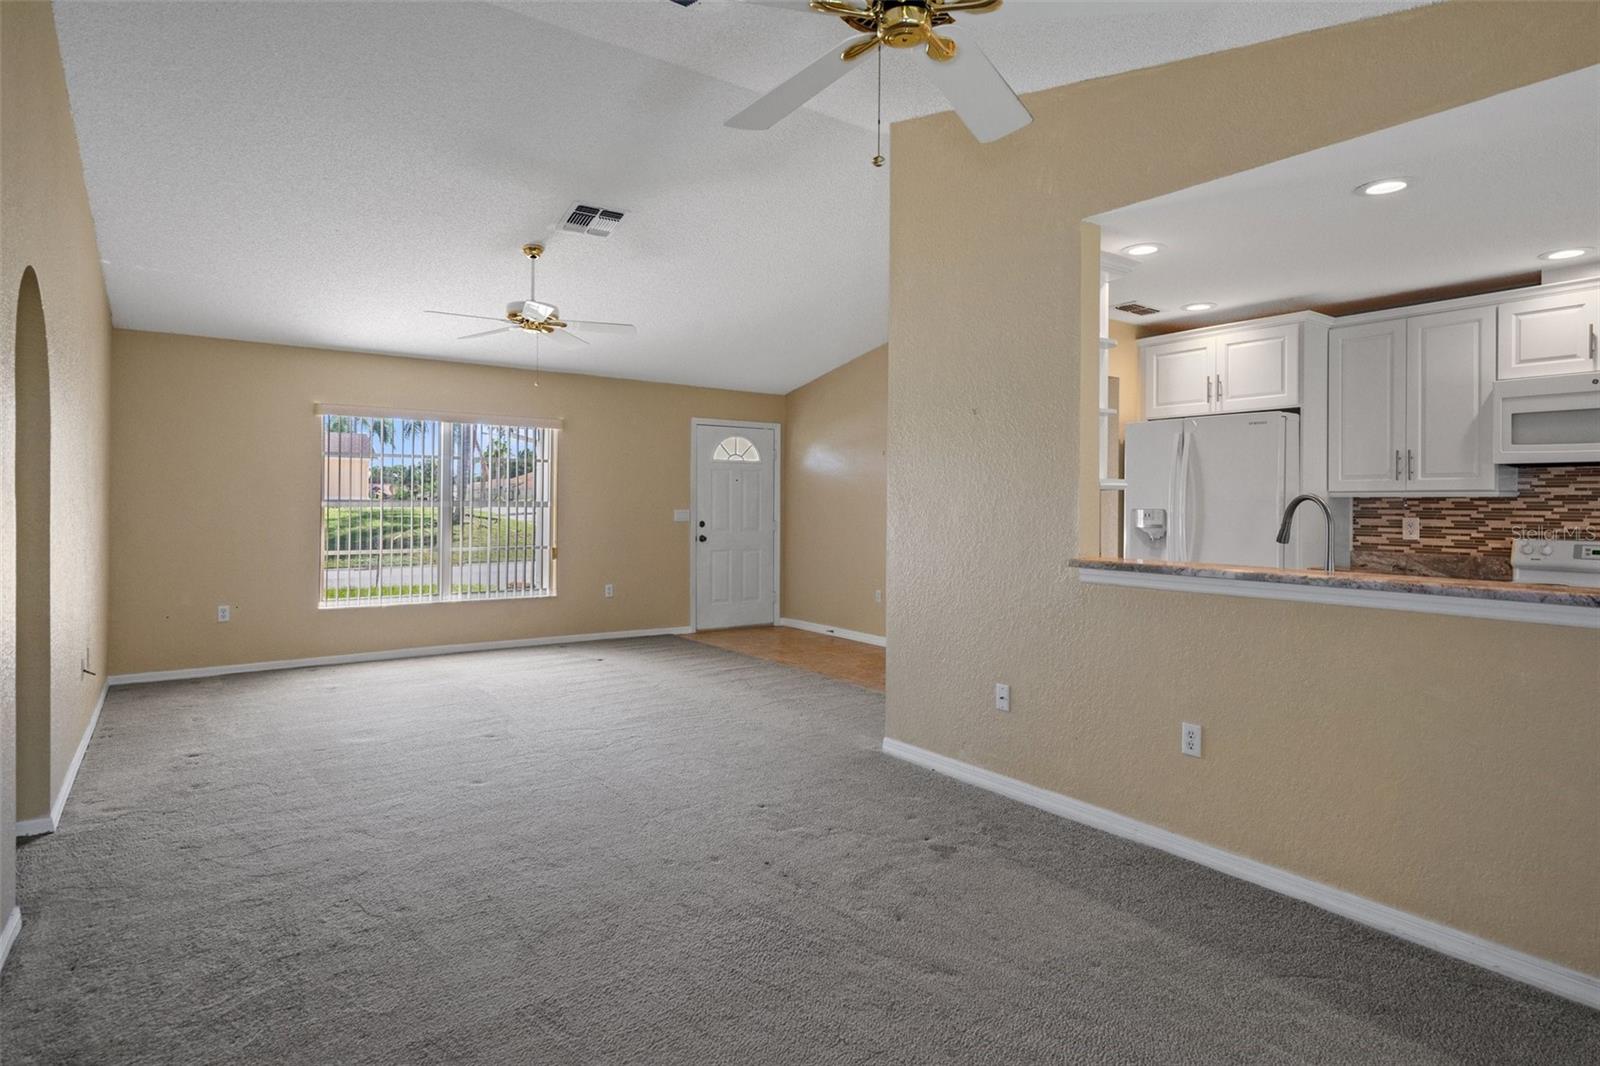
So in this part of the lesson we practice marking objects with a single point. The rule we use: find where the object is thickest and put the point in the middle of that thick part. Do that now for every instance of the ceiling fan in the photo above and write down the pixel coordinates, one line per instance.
(540, 319)
(961, 71)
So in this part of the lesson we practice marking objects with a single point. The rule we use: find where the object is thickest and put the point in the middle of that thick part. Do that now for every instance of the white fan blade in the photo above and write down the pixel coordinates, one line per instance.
(977, 91)
(803, 6)
(623, 328)
(486, 333)
(454, 314)
(792, 5)
(561, 336)
(765, 112)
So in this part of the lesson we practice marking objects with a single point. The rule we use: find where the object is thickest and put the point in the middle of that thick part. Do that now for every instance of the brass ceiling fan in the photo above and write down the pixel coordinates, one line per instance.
(540, 319)
(959, 69)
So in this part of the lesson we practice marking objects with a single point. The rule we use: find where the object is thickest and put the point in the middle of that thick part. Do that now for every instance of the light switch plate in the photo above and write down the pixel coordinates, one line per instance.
(681, 515)
(1411, 527)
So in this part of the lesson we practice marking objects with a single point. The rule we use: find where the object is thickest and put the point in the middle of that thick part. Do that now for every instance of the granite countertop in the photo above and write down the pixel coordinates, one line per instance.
(1554, 595)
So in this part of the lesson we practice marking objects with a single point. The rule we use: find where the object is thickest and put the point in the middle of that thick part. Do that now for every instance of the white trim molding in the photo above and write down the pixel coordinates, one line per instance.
(1464, 606)
(1519, 966)
(9, 934)
(395, 653)
(48, 823)
(834, 631)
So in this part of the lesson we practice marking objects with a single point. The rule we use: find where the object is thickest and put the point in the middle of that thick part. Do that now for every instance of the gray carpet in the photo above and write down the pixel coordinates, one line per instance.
(656, 852)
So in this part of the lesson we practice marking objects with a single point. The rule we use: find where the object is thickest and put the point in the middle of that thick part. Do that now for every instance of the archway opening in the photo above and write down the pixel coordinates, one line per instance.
(32, 456)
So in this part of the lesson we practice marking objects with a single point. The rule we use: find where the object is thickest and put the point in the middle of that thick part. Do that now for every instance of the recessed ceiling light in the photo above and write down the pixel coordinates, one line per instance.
(1198, 307)
(1141, 249)
(1382, 187)
(1565, 253)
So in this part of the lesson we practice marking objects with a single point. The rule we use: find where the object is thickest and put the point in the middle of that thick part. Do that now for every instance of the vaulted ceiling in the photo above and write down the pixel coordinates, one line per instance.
(319, 174)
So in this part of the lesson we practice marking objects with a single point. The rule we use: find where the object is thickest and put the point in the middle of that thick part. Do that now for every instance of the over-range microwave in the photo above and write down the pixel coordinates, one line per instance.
(1547, 420)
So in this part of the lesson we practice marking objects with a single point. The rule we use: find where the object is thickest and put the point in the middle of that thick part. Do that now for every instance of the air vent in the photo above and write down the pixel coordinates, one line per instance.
(1137, 309)
(595, 221)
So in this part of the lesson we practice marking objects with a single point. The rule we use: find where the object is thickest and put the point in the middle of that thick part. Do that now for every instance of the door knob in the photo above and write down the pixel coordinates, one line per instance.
(702, 523)
(702, 538)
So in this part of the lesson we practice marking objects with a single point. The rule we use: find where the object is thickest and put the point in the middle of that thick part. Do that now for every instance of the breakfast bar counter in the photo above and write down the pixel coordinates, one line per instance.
(1506, 600)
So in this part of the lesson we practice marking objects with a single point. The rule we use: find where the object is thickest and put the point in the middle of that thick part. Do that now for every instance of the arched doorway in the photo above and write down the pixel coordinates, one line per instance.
(33, 557)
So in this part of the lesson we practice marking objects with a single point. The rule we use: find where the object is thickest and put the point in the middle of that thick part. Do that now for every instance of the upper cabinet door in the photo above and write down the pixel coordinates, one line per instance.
(1449, 431)
(1549, 334)
(1177, 378)
(1259, 369)
(1367, 407)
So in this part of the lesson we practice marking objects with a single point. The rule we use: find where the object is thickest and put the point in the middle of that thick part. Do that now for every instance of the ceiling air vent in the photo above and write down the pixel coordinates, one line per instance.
(595, 221)
(1133, 308)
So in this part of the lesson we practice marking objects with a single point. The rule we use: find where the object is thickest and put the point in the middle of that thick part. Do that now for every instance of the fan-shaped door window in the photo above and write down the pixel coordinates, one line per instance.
(736, 450)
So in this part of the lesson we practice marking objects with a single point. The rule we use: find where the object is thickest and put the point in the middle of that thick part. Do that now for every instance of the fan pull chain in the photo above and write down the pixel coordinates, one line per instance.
(877, 160)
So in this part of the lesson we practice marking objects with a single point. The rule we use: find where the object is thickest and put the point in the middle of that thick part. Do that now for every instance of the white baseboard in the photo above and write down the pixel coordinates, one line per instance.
(1520, 966)
(9, 934)
(395, 653)
(48, 823)
(835, 631)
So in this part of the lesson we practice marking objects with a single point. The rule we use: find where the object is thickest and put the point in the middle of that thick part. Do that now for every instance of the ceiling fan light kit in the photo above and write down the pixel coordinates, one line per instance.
(539, 318)
(960, 70)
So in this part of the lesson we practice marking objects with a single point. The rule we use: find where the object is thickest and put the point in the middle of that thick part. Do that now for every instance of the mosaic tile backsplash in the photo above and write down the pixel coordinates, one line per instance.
(1475, 532)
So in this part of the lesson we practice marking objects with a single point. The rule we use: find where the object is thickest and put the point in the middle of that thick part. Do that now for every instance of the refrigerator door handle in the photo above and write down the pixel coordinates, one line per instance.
(1175, 501)
(1188, 462)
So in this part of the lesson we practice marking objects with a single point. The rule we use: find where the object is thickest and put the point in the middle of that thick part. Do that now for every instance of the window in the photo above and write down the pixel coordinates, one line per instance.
(736, 450)
(425, 511)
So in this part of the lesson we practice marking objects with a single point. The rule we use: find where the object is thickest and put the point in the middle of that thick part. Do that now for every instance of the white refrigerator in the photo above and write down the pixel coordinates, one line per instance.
(1212, 489)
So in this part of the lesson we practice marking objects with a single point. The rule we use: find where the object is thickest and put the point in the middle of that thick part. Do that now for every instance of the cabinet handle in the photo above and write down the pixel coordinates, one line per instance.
(1208, 390)
(1397, 464)
(1219, 388)
(1591, 341)
(1411, 465)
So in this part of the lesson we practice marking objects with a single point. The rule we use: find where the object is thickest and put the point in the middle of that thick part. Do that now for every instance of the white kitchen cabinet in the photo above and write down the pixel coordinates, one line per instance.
(1258, 369)
(1177, 378)
(1223, 370)
(1450, 361)
(1408, 407)
(1549, 333)
(1367, 408)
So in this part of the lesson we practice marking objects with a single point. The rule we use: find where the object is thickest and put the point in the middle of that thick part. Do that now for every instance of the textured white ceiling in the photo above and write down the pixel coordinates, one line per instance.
(1493, 185)
(317, 174)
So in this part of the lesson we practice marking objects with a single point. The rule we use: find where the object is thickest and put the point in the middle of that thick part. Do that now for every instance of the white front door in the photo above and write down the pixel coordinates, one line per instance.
(735, 526)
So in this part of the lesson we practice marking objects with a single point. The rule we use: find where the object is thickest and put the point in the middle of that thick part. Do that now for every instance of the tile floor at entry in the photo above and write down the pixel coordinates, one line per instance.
(835, 657)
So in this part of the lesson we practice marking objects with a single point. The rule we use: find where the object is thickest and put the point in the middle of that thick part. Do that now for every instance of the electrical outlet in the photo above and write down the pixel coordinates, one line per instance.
(877, 595)
(1411, 527)
(224, 613)
(611, 590)
(1002, 696)
(1189, 740)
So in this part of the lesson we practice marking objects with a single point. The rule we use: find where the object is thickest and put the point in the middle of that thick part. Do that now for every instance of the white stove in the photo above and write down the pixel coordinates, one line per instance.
(1556, 562)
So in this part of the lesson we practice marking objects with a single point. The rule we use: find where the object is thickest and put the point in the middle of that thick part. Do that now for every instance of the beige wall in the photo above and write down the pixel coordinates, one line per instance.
(1123, 365)
(45, 223)
(216, 480)
(1446, 766)
(834, 454)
